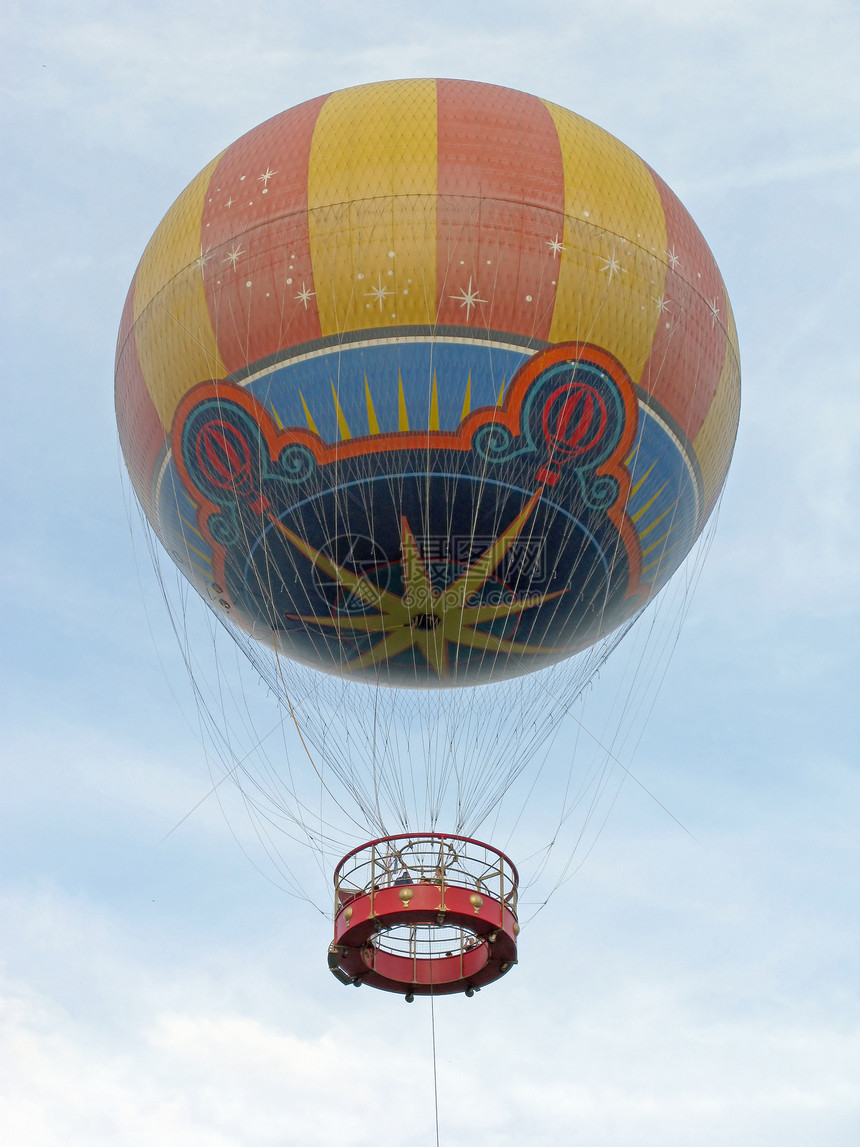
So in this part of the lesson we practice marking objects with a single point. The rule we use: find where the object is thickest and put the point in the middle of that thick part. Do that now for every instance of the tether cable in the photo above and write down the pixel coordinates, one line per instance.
(435, 1080)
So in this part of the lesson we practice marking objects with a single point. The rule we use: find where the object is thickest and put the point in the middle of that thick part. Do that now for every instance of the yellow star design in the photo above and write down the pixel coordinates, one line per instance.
(421, 616)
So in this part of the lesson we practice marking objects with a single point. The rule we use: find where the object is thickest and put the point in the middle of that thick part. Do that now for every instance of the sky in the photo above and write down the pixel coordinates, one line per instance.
(694, 986)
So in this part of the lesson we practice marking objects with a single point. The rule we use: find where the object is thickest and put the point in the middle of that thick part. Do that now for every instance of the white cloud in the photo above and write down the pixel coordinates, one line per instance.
(619, 1062)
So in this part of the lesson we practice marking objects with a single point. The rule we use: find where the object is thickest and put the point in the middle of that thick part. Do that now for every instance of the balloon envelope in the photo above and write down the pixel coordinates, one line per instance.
(427, 383)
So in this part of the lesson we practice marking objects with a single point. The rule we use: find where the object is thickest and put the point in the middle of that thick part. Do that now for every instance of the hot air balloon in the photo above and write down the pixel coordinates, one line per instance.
(426, 386)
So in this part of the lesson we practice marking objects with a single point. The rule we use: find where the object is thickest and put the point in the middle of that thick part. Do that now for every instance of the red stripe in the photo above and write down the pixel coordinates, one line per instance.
(141, 434)
(683, 372)
(501, 203)
(263, 222)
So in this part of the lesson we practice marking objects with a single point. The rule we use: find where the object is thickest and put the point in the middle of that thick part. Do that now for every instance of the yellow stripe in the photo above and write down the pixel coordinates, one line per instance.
(613, 265)
(648, 504)
(173, 332)
(644, 533)
(659, 561)
(190, 526)
(277, 416)
(199, 553)
(372, 191)
(659, 542)
(638, 485)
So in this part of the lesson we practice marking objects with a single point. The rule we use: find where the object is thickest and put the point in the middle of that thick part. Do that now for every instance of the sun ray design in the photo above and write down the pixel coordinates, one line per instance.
(644, 509)
(421, 616)
(656, 545)
(434, 405)
(310, 421)
(342, 424)
(670, 509)
(635, 489)
(372, 423)
(402, 415)
(467, 401)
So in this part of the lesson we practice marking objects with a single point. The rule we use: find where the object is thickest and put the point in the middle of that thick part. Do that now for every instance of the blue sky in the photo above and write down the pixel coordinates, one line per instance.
(675, 991)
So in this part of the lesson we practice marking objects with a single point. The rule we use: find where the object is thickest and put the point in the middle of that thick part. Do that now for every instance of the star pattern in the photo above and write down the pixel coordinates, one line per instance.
(468, 298)
(422, 617)
(611, 266)
(232, 256)
(379, 293)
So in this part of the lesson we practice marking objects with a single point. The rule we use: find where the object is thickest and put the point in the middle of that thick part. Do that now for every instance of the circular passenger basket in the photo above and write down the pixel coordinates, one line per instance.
(424, 913)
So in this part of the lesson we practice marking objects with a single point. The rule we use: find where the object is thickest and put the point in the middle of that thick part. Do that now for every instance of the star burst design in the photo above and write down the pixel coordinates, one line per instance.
(232, 256)
(662, 303)
(611, 266)
(467, 298)
(379, 293)
(422, 616)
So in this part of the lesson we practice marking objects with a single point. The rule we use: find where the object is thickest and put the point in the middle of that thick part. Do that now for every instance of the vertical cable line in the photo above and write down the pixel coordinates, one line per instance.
(433, 1041)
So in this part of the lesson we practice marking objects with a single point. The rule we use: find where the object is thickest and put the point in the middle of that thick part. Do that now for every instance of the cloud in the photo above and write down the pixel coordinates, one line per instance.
(633, 1060)
(798, 167)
